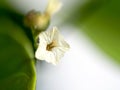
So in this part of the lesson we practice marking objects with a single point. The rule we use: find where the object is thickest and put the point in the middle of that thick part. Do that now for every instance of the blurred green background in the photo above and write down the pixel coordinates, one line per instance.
(99, 19)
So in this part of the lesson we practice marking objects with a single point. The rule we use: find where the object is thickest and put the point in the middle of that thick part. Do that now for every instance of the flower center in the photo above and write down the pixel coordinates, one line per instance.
(50, 46)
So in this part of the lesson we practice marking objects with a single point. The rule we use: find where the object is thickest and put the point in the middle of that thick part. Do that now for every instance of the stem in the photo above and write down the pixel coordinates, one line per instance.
(35, 34)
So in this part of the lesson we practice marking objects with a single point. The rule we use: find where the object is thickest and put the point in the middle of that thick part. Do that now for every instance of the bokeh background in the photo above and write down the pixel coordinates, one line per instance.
(91, 27)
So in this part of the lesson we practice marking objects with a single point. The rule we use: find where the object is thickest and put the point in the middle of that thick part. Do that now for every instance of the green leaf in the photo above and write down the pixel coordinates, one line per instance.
(100, 20)
(17, 63)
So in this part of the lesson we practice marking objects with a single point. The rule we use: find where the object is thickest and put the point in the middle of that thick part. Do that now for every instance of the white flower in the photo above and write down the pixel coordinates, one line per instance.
(53, 7)
(51, 46)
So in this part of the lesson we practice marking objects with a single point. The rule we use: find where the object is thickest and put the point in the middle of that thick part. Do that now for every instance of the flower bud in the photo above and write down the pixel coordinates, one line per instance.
(37, 21)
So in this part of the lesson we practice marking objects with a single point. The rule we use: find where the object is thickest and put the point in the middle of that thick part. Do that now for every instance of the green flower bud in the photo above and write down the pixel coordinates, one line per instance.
(37, 21)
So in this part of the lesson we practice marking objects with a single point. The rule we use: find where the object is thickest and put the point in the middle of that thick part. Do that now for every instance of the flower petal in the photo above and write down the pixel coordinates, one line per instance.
(59, 39)
(53, 6)
(61, 46)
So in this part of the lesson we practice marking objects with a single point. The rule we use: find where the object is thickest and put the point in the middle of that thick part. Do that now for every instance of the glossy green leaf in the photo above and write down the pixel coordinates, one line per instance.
(17, 63)
(100, 20)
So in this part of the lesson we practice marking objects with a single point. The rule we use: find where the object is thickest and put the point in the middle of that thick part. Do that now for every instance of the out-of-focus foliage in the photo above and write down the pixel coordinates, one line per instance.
(17, 64)
(100, 20)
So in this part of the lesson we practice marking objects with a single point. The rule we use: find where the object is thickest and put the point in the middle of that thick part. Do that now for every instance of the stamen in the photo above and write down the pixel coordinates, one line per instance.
(50, 46)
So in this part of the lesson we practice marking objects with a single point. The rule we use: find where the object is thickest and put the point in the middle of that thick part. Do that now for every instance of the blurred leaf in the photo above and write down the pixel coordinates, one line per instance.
(17, 63)
(80, 13)
(100, 20)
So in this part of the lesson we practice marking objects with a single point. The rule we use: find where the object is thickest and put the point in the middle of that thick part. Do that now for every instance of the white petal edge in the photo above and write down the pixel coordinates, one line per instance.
(53, 6)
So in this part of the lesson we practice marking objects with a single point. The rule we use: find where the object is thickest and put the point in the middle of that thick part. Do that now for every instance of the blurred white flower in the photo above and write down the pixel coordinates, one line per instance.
(52, 46)
(53, 6)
